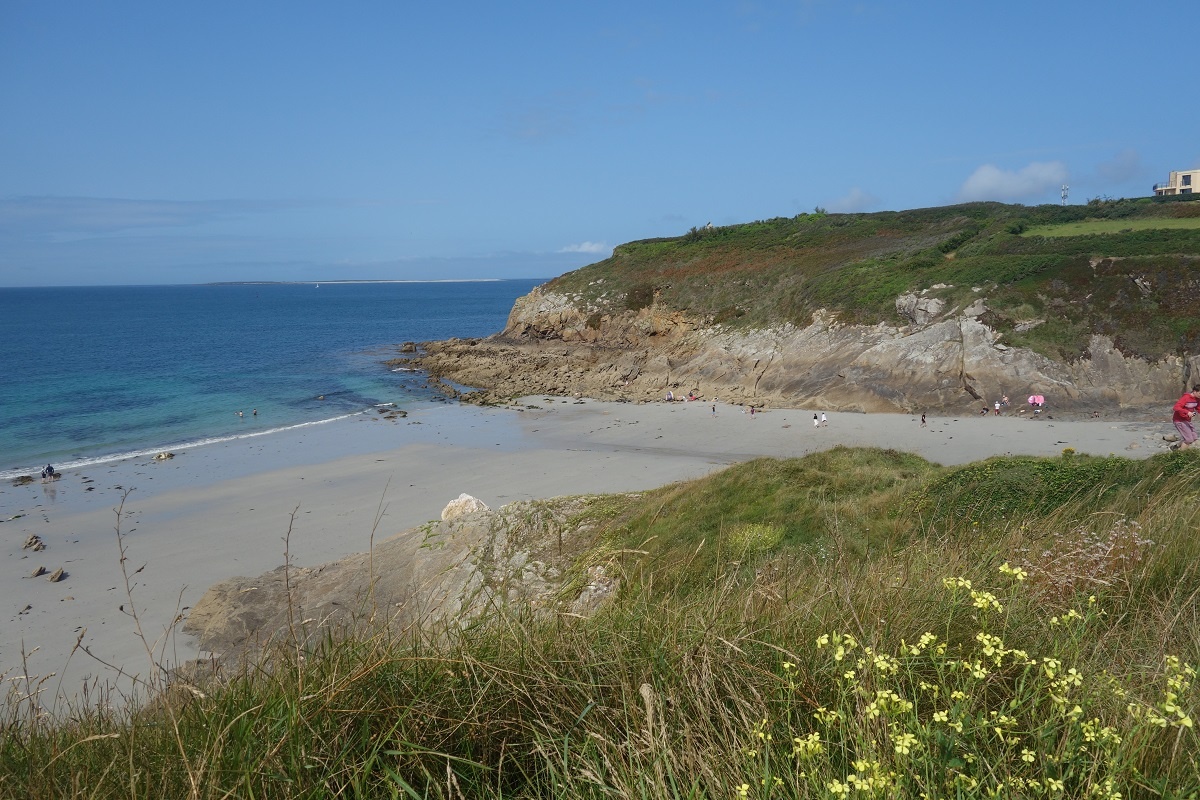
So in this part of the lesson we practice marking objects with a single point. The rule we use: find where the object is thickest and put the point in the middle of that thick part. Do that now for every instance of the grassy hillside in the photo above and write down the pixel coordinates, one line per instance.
(856, 623)
(1068, 270)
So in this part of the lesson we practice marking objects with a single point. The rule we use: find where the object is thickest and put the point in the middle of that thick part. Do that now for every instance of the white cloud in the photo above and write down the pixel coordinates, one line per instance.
(853, 201)
(1032, 182)
(587, 247)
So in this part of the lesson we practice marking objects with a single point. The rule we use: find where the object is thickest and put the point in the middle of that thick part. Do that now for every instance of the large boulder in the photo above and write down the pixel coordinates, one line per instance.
(463, 504)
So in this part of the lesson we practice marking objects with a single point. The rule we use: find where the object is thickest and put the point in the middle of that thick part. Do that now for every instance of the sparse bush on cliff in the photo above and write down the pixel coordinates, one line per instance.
(727, 314)
(639, 297)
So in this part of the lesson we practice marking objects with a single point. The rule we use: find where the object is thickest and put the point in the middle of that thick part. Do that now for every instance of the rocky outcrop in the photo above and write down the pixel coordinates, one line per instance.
(943, 361)
(451, 572)
(919, 310)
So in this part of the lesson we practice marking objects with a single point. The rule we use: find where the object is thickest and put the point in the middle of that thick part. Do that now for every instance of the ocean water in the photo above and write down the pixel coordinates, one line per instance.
(92, 374)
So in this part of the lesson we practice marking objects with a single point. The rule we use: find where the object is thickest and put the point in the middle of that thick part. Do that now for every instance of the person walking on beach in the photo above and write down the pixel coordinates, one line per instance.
(922, 419)
(714, 409)
(824, 420)
(751, 412)
(1183, 412)
(816, 422)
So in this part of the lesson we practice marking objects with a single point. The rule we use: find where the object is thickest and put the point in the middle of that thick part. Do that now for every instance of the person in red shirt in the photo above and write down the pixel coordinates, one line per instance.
(1185, 409)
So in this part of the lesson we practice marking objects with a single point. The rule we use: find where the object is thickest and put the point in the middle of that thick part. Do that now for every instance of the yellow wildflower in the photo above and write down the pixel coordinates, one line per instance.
(838, 788)
(1016, 573)
(904, 743)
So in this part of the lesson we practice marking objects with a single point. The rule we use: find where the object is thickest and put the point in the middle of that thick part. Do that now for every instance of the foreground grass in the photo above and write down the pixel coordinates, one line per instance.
(857, 623)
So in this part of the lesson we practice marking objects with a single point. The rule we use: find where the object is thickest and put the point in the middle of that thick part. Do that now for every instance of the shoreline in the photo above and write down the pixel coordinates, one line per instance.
(222, 510)
(99, 461)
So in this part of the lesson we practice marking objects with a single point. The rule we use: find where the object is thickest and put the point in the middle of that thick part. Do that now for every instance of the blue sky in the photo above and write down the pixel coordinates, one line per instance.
(175, 143)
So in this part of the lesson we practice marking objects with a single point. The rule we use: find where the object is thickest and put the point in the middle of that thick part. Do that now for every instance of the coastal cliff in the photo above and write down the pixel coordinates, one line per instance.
(1095, 307)
(950, 362)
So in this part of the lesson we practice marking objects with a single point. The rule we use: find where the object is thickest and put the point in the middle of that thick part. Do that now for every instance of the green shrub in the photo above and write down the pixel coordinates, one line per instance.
(639, 297)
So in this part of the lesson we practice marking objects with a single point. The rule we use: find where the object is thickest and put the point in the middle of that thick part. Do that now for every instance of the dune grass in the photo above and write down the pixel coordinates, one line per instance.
(857, 623)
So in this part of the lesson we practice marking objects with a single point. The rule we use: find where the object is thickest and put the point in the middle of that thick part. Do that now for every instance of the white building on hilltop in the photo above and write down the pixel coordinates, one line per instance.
(1179, 183)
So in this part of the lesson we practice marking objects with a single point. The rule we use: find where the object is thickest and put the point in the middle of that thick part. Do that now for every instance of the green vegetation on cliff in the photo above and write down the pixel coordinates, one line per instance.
(1052, 276)
(856, 623)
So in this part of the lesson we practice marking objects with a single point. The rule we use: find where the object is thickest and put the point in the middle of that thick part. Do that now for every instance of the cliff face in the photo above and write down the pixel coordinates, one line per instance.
(945, 359)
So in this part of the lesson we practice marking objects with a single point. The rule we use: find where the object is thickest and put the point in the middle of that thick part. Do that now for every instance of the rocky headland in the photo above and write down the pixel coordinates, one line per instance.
(943, 359)
(939, 310)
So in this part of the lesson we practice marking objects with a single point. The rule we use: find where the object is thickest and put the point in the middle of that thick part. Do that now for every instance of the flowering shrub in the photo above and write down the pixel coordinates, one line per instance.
(981, 717)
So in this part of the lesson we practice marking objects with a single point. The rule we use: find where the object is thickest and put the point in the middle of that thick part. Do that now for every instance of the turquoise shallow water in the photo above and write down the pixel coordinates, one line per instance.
(96, 373)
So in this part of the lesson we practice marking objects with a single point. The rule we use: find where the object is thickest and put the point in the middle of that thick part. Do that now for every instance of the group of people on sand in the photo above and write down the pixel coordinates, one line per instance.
(820, 420)
(1037, 403)
(997, 407)
(1183, 415)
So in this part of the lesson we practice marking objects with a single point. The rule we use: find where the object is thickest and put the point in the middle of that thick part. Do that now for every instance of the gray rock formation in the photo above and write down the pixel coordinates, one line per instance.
(920, 310)
(944, 361)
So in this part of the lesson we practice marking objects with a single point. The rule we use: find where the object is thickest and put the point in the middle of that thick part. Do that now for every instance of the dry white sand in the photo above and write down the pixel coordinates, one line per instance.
(223, 510)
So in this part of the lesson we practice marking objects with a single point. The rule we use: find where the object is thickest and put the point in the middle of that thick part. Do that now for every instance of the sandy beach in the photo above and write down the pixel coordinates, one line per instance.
(222, 510)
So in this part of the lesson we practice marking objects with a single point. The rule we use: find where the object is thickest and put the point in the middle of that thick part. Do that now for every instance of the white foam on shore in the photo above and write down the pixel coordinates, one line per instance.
(108, 459)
